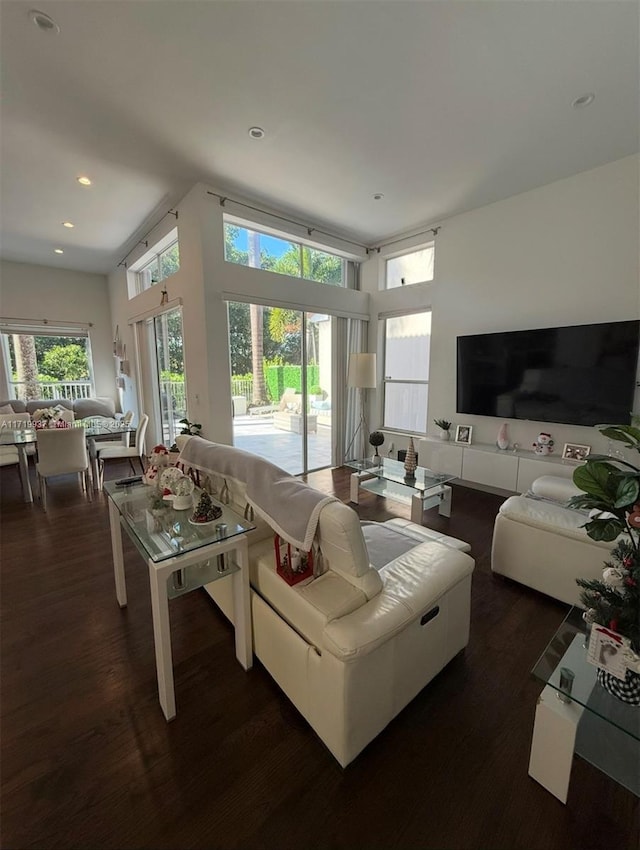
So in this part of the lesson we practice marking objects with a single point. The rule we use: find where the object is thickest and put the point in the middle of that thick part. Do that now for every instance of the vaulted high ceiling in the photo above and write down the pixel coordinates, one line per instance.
(440, 106)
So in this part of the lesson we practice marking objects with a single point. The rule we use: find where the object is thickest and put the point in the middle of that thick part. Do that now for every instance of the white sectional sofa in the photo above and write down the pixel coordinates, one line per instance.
(388, 608)
(540, 542)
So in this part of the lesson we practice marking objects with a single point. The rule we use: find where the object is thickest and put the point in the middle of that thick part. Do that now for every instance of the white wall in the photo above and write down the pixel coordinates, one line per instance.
(566, 253)
(59, 295)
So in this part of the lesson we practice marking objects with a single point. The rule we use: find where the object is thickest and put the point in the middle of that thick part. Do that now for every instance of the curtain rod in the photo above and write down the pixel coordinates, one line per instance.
(6, 320)
(224, 198)
(434, 230)
(144, 241)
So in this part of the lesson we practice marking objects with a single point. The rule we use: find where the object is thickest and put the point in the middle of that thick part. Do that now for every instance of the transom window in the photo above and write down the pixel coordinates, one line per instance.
(260, 250)
(406, 372)
(413, 267)
(159, 263)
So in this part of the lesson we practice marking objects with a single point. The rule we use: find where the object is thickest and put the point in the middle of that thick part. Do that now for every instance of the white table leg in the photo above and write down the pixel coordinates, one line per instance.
(23, 464)
(553, 741)
(445, 504)
(417, 508)
(162, 640)
(118, 559)
(353, 488)
(242, 607)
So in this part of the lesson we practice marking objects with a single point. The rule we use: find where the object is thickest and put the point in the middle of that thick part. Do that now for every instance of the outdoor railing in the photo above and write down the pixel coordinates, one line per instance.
(175, 390)
(53, 389)
(243, 387)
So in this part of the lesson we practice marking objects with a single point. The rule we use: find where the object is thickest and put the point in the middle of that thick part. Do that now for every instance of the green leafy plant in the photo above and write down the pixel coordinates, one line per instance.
(442, 423)
(611, 488)
(192, 428)
(316, 389)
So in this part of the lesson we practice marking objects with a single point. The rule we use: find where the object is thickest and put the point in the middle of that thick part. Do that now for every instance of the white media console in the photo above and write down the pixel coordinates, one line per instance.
(489, 467)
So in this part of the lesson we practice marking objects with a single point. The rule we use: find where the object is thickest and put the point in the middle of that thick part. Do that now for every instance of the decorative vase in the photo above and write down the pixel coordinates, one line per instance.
(410, 462)
(444, 434)
(626, 691)
(502, 441)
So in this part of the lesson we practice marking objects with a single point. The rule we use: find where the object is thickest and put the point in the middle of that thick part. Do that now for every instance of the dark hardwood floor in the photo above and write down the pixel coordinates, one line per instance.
(88, 760)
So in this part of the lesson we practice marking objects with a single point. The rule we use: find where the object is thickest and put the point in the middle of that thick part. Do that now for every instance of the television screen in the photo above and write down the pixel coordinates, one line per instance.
(580, 375)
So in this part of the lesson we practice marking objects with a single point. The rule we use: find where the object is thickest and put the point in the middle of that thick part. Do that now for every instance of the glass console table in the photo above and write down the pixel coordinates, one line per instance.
(180, 557)
(387, 477)
(580, 718)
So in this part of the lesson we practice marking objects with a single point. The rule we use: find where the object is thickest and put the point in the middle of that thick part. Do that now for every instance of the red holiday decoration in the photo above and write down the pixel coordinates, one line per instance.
(292, 565)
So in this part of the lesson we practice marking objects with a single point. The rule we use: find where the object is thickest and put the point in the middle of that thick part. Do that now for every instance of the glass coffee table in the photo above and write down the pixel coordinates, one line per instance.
(576, 715)
(180, 557)
(387, 477)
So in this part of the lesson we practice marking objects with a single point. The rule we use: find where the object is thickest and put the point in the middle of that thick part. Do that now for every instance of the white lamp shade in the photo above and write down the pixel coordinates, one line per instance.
(362, 371)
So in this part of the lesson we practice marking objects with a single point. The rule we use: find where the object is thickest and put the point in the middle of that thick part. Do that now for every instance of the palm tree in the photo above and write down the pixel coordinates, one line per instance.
(259, 393)
(24, 347)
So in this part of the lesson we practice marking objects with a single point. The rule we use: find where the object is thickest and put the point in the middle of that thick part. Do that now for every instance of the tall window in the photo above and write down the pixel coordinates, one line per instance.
(413, 267)
(48, 365)
(284, 256)
(406, 372)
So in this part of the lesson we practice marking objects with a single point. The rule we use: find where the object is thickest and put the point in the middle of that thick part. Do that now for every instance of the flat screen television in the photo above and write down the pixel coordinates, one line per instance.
(579, 375)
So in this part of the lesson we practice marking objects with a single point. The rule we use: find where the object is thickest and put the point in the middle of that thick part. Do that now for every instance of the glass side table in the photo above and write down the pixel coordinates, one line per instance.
(576, 715)
(180, 557)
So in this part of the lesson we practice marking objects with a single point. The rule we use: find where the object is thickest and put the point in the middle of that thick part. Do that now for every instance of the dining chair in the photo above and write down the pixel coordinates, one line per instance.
(127, 419)
(61, 451)
(121, 451)
(15, 421)
(9, 457)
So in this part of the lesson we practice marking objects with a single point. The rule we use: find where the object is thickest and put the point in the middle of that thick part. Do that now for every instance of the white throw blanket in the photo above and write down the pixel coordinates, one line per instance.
(291, 507)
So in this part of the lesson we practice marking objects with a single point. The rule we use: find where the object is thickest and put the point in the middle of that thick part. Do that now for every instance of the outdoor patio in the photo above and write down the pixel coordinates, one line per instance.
(259, 435)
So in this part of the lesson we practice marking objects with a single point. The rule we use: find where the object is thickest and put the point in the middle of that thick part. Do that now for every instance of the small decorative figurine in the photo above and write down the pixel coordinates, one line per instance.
(205, 510)
(158, 461)
(410, 462)
(544, 444)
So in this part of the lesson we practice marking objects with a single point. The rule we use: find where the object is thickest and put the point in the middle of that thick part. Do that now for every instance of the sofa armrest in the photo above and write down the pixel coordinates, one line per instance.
(555, 489)
(413, 583)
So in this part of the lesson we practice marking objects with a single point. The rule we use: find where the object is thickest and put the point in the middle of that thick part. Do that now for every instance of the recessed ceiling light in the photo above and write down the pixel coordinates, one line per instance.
(378, 196)
(68, 224)
(84, 181)
(58, 251)
(256, 133)
(43, 22)
(583, 100)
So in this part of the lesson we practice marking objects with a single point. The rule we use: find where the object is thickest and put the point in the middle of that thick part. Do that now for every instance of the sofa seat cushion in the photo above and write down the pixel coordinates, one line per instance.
(413, 584)
(417, 533)
(549, 516)
(307, 606)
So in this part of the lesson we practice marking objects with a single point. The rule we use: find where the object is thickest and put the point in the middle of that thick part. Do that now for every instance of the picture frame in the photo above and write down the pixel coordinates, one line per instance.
(463, 434)
(575, 452)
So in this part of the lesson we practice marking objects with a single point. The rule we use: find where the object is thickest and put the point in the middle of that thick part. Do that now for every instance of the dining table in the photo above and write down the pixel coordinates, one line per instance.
(24, 437)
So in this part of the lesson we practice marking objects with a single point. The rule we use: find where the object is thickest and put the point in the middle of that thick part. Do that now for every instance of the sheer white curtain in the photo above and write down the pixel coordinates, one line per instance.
(351, 337)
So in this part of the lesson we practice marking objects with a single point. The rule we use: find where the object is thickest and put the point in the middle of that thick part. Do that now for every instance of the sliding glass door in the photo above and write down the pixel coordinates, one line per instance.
(281, 385)
(169, 378)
